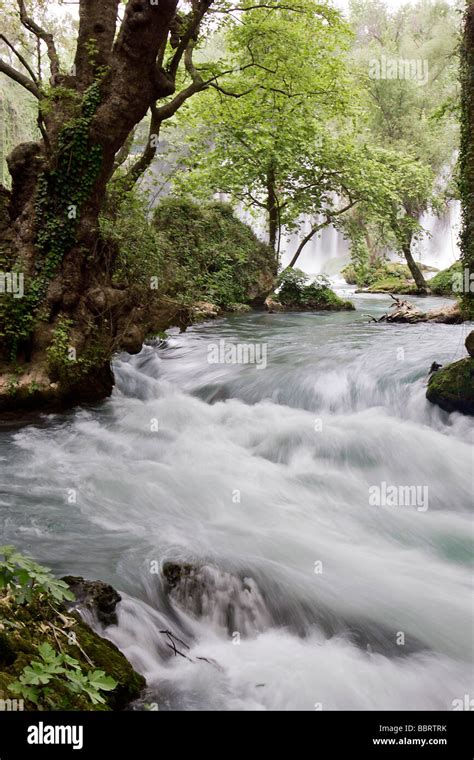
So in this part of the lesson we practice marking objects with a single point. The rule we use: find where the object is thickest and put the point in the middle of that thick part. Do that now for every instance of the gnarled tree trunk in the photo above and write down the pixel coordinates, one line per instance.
(56, 338)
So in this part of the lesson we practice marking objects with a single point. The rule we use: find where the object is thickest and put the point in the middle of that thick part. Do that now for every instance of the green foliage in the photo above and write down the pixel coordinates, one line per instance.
(466, 153)
(58, 348)
(60, 195)
(208, 254)
(443, 283)
(71, 367)
(24, 579)
(409, 109)
(284, 130)
(296, 292)
(133, 239)
(381, 275)
(38, 683)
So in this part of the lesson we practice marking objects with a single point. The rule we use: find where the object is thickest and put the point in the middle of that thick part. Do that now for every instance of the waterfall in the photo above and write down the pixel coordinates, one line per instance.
(328, 252)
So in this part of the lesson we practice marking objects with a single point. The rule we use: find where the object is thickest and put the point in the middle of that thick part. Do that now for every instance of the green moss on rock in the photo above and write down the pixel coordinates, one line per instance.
(452, 387)
(442, 284)
(25, 627)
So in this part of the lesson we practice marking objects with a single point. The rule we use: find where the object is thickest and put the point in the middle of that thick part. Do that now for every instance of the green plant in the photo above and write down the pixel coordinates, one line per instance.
(60, 195)
(24, 579)
(58, 666)
(443, 283)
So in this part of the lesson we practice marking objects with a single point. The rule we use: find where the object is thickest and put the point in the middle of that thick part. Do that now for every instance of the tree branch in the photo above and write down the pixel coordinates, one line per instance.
(42, 34)
(142, 163)
(20, 78)
(189, 35)
(314, 230)
(21, 58)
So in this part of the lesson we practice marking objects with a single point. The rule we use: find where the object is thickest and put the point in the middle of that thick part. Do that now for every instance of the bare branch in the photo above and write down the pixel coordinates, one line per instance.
(42, 34)
(20, 57)
(142, 164)
(122, 154)
(189, 35)
(20, 78)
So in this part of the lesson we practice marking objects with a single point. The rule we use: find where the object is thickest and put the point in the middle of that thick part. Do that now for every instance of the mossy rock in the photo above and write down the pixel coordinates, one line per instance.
(392, 284)
(442, 284)
(452, 387)
(25, 627)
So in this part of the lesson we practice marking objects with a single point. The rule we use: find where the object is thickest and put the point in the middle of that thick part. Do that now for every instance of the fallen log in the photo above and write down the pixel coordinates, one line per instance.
(406, 312)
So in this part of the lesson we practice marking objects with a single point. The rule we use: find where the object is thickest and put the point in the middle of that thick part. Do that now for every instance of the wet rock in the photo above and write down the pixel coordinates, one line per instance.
(273, 306)
(96, 596)
(228, 601)
(469, 343)
(25, 627)
(452, 387)
(204, 310)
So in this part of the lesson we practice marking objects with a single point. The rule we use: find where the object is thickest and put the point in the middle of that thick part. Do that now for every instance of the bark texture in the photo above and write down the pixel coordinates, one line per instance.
(49, 230)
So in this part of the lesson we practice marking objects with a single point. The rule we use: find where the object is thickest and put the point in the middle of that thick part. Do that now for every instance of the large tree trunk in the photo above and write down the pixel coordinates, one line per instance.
(70, 305)
(272, 212)
(466, 158)
(416, 272)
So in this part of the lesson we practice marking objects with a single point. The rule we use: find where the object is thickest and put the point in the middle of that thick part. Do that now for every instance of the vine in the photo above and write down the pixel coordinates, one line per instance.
(60, 195)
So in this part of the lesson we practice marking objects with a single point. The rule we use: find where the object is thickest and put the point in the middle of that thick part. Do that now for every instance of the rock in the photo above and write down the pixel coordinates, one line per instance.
(469, 343)
(452, 387)
(239, 308)
(96, 596)
(204, 310)
(273, 306)
(174, 573)
(30, 627)
(235, 603)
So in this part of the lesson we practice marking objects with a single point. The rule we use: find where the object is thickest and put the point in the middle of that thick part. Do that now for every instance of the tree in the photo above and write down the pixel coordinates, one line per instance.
(270, 143)
(408, 60)
(466, 158)
(129, 59)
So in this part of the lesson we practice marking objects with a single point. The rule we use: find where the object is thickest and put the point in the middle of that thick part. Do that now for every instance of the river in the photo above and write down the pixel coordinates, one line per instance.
(307, 594)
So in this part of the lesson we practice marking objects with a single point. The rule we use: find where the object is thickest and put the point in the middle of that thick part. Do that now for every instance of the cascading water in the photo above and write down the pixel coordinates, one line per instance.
(291, 590)
(328, 252)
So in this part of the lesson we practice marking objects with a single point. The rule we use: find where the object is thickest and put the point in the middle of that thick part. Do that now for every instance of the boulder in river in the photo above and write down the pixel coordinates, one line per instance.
(96, 596)
(469, 343)
(452, 387)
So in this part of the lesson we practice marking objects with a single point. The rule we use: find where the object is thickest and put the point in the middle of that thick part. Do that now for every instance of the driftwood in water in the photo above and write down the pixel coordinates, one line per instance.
(406, 311)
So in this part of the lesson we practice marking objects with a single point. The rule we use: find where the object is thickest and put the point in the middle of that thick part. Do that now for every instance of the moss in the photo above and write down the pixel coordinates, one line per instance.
(452, 387)
(392, 285)
(294, 294)
(442, 283)
(23, 628)
(208, 254)
(383, 276)
(109, 658)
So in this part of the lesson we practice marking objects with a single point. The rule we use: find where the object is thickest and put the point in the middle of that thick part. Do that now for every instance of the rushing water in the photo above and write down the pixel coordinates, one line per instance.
(305, 595)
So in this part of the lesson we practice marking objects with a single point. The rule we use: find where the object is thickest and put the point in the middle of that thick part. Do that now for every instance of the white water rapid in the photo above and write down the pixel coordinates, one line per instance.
(300, 593)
